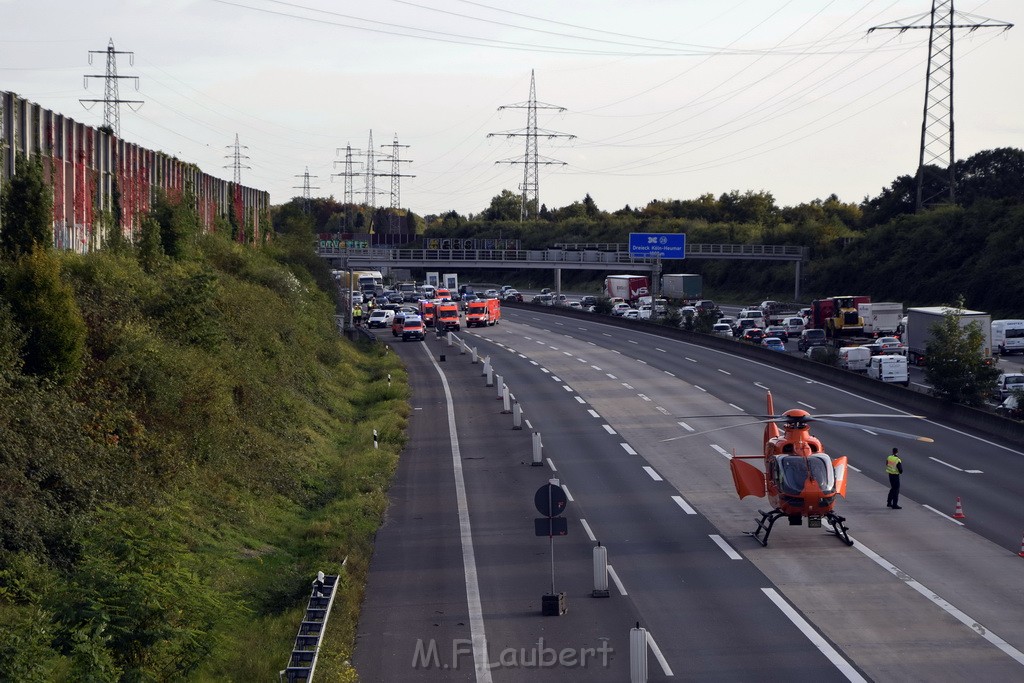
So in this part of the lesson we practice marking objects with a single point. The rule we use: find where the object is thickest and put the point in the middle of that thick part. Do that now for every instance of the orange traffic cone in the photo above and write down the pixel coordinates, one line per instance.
(959, 512)
(1021, 553)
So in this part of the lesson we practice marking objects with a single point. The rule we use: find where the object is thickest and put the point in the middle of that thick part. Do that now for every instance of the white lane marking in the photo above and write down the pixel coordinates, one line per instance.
(966, 620)
(974, 472)
(567, 494)
(627, 385)
(760, 386)
(721, 450)
(737, 407)
(686, 426)
(668, 373)
(631, 341)
(592, 343)
(944, 515)
(530, 338)
(855, 469)
(556, 378)
(869, 432)
(644, 397)
(654, 475)
(724, 372)
(661, 410)
(567, 388)
(593, 413)
(610, 375)
(596, 368)
(567, 353)
(640, 361)
(551, 465)
(943, 462)
(586, 527)
(629, 449)
(617, 351)
(816, 639)
(545, 371)
(657, 655)
(476, 620)
(700, 388)
(692, 360)
(540, 342)
(558, 323)
(606, 334)
(615, 578)
(683, 504)
(553, 348)
(726, 548)
(807, 405)
(520, 355)
(609, 429)
(582, 328)
(662, 350)
(582, 360)
(528, 425)
(580, 399)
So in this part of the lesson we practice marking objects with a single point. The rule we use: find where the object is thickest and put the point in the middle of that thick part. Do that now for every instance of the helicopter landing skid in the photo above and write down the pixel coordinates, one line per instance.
(839, 527)
(765, 524)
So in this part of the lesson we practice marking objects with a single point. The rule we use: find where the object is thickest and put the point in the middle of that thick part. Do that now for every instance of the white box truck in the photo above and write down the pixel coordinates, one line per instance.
(919, 329)
(1008, 336)
(881, 318)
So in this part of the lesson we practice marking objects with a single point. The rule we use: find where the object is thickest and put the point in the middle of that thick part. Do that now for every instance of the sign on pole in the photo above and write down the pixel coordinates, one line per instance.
(667, 245)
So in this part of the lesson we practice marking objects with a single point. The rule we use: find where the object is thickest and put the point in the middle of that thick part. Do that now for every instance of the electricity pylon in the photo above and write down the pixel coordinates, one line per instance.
(111, 110)
(306, 188)
(237, 157)
(937, 129)
(348, 174)
(531, 159)
(396, 175)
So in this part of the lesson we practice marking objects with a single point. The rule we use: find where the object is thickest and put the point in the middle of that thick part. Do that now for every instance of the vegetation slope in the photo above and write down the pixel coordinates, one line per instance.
(187, 441)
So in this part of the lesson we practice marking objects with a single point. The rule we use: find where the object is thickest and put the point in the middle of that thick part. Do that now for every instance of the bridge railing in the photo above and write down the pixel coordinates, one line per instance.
(566, 253)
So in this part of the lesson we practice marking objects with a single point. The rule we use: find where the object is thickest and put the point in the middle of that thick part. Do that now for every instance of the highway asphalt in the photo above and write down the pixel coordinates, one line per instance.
(921, 596)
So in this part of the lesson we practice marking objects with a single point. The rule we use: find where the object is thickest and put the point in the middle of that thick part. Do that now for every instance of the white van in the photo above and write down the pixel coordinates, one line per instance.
(889, 369)
(855, 358)
(794, 326)
(1008, 336)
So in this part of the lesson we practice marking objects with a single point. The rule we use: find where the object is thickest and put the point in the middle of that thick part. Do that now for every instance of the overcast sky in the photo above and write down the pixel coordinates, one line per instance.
(668, 99)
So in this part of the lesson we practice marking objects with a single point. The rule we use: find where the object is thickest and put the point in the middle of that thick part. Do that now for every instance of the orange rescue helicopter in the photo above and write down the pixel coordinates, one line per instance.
(799, 479)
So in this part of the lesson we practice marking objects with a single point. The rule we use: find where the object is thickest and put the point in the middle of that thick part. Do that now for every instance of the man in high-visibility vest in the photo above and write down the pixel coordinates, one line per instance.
(357, 315)
(894, 468)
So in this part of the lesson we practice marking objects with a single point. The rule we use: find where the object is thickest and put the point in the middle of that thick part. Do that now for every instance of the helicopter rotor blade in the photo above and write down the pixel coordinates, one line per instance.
(716, 429)
(892, 432)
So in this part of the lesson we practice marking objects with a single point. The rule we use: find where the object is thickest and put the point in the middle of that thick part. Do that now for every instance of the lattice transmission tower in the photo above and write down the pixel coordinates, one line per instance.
(111, 100)
(348, 174)
(306, 188)
(396, 188)
(936, 184)
(237, 158)
(532, 160)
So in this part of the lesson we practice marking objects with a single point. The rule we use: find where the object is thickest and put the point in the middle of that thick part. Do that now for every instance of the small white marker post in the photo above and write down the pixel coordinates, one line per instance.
(638, 654)
(517, 422)
(475, 358)
(375, 438)
(506, 400)
(538, 450)
(600, 572)
(499, 382)
(487, 367)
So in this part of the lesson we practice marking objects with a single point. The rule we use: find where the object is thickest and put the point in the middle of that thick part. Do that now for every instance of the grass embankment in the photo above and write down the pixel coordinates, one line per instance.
(166, 507)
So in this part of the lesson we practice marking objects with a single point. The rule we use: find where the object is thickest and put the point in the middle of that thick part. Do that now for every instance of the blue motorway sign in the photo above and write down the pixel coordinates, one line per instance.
(666, 245)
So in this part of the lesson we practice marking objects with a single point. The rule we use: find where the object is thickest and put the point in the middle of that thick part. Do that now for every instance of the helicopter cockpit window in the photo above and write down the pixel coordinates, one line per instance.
(794, 469)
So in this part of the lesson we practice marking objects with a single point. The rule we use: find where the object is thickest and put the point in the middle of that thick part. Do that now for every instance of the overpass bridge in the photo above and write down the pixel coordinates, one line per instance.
(605, 257)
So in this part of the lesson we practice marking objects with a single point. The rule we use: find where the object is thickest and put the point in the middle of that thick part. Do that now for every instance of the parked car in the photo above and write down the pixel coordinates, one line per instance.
(777, 331)
(722, 329)
(773, 343)
(382, 317)
(1007, 382)
(753, 334)
(809, 338)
